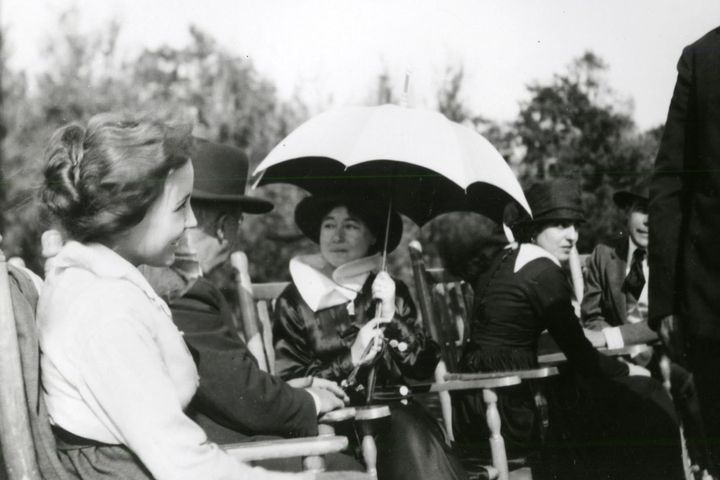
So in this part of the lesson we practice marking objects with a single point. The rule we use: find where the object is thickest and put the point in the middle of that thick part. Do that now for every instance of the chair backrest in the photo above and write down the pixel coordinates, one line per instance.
(28, 445)
(257, 303)
(15, 432)
(445, 304)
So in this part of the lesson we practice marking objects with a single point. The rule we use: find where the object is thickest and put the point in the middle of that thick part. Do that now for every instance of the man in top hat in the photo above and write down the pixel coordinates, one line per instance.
(236, 401)
(615, 302)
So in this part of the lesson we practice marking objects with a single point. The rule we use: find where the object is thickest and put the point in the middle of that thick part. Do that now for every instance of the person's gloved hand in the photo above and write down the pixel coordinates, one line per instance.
(369, 334)
(383, 289)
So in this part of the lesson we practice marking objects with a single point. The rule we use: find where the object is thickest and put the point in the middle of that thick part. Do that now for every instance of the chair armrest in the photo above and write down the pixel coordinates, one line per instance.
(343, 476)
(477, 383)
(338, 416)
(627, 351)
(531, 374)
(286, 448)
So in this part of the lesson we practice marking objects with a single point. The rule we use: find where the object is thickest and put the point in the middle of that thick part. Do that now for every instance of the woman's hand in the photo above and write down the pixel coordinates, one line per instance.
(383, 289)
(596, 337)
(369, 334)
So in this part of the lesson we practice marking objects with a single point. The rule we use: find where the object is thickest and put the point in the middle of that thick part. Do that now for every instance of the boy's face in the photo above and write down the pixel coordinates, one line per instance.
(637, 224)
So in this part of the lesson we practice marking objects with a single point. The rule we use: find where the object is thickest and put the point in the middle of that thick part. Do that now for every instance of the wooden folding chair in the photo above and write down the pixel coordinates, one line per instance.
(444, 308)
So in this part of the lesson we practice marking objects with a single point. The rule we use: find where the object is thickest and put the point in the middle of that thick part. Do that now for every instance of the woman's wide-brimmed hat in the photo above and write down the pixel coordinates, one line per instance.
(638, 194)
(310, 212)
(553, 200)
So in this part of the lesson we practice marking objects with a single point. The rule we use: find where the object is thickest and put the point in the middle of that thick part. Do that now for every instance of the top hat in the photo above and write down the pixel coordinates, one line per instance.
(310, 212)
(555, 200)
(220, 175)
(639, 193)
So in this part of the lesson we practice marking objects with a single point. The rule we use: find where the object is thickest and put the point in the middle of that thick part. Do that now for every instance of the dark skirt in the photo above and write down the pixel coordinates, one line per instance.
(411, 445)
(598, 428)
(89, 460)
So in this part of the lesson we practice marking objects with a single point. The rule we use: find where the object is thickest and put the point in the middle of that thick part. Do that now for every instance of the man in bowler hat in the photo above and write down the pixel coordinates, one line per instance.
(685, 224)
(236, 401)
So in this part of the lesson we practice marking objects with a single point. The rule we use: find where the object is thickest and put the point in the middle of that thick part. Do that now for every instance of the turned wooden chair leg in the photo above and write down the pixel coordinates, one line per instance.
(313, 463)
(369, 452)
(367, 418)
(497, 444)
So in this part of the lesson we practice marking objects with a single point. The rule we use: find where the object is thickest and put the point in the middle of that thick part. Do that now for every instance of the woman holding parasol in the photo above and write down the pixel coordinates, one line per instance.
(424, 165)
(339, 314)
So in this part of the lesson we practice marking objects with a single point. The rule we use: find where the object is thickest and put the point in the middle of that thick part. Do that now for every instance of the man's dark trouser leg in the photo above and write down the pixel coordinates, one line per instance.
(704, 357)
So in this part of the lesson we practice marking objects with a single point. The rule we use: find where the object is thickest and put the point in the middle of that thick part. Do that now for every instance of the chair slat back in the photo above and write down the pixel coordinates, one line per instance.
(15, 432)
(257, 303)
(445, 305)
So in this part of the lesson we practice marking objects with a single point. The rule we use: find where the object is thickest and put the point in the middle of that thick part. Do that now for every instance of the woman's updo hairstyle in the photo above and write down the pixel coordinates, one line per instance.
(101, 179)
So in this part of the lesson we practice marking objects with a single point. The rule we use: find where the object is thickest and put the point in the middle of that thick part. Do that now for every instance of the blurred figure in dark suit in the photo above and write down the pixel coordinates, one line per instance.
(684, 224)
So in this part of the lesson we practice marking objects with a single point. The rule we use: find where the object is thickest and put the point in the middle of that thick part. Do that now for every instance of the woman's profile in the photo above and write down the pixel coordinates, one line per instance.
(116, 372)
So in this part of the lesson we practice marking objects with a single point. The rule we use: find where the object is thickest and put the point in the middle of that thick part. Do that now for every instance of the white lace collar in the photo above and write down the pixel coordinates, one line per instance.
(320, 291)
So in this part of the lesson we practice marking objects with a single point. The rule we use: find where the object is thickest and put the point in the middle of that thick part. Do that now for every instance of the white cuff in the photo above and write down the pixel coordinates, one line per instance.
(316, 399)
(613, 337)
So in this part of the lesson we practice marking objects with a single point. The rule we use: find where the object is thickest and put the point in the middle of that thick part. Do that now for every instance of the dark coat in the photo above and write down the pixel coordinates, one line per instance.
(603, 303)
(685, 197)
(318, 343)
(235, 399)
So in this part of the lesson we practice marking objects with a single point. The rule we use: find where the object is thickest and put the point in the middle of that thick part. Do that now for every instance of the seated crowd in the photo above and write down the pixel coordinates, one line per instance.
(144, 374)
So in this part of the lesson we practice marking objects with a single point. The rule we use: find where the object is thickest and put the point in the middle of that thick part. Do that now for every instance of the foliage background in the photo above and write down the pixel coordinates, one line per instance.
(573, 126)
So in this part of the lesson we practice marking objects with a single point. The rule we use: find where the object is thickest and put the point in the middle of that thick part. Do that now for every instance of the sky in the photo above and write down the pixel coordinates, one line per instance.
(330, 52)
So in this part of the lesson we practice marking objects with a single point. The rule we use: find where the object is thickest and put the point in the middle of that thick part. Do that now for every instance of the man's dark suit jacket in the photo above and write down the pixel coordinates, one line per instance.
(685, 197)
(236, 400)
(604, 303)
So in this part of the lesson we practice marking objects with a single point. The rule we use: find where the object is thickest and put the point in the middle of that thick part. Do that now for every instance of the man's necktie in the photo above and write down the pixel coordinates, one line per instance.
(635, 280)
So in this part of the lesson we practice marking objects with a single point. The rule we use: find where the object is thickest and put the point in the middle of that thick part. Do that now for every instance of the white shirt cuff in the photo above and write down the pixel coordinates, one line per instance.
(613, 337)
(316, 399)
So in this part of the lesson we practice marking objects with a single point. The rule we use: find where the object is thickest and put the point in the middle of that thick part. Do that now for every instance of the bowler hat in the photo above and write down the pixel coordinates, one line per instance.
(220, 175)
(310, 212)
(558, 199)
(639, 193)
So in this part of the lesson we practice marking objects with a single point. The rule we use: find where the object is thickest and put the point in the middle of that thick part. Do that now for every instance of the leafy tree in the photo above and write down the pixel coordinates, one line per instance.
(575, 127)
(221, 94)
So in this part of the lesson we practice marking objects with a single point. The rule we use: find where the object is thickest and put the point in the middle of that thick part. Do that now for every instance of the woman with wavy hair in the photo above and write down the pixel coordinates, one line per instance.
(116, 372)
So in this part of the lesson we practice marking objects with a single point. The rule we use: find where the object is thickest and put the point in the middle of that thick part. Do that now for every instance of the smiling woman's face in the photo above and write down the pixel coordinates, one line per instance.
(155, 239)
(344, 237)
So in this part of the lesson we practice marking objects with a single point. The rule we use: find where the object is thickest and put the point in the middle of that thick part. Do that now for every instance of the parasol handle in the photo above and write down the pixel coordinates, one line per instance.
(387, 236)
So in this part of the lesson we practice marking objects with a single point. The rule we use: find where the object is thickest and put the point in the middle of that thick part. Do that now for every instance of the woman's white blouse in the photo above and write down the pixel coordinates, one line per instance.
(115, 368)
